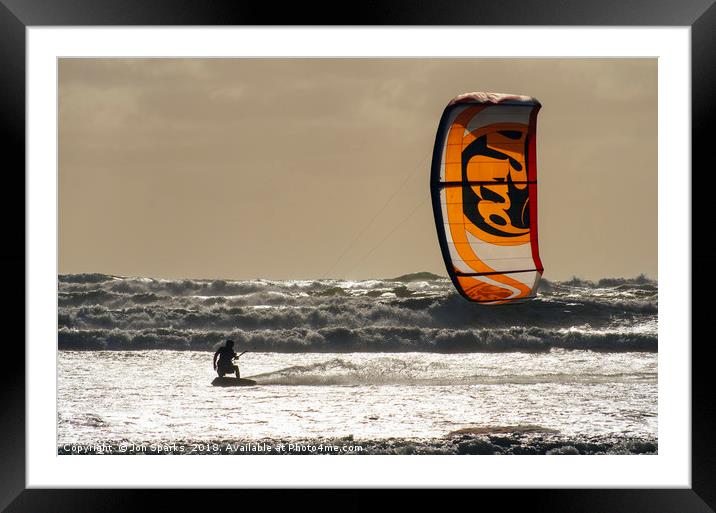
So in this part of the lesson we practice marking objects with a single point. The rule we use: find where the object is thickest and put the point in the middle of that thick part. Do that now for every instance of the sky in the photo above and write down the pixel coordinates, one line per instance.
(319, 168)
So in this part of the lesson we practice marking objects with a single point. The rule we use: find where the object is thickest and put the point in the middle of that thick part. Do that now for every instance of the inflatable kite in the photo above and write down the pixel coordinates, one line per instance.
(484, 191)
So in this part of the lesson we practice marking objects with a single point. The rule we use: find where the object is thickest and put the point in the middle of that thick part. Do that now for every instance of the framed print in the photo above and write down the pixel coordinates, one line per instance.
(322, 241)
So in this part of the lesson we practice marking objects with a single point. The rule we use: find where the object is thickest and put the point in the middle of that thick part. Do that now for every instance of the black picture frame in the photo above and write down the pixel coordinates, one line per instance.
(17, 15)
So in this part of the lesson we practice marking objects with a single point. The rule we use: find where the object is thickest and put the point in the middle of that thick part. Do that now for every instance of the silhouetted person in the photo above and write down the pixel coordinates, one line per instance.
(226, 356)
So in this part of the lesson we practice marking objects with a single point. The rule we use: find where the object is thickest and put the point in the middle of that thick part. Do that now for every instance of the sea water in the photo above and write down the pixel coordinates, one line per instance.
(362, 360)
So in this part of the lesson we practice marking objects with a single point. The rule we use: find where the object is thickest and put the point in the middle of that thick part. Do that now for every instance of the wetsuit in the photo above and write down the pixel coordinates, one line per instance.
(225, 364)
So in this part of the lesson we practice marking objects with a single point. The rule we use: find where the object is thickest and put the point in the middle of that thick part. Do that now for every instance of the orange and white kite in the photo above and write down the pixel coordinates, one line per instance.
(484, 190)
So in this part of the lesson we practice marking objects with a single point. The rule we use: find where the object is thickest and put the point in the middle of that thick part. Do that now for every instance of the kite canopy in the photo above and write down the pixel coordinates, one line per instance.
(484, 190)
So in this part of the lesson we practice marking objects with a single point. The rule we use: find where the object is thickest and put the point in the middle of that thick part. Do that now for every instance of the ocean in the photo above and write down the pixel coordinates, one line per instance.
(384, 366)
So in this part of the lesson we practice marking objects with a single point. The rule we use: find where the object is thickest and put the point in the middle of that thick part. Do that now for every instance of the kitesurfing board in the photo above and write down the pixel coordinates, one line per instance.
(233, 382)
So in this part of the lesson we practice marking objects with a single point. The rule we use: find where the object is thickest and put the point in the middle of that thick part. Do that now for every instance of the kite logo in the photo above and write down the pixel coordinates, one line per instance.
(498, 204)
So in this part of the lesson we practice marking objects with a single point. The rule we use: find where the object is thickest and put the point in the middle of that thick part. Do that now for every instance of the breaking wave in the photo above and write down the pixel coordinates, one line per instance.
(417, 312)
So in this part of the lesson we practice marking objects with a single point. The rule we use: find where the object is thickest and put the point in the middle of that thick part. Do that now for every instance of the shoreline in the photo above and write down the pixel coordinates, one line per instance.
(454, 444)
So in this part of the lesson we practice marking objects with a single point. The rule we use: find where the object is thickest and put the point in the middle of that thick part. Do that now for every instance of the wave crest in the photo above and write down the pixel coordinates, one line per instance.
(418, 312)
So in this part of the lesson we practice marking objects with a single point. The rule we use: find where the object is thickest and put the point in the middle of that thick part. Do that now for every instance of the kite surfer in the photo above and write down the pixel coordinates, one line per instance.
(226, 355)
